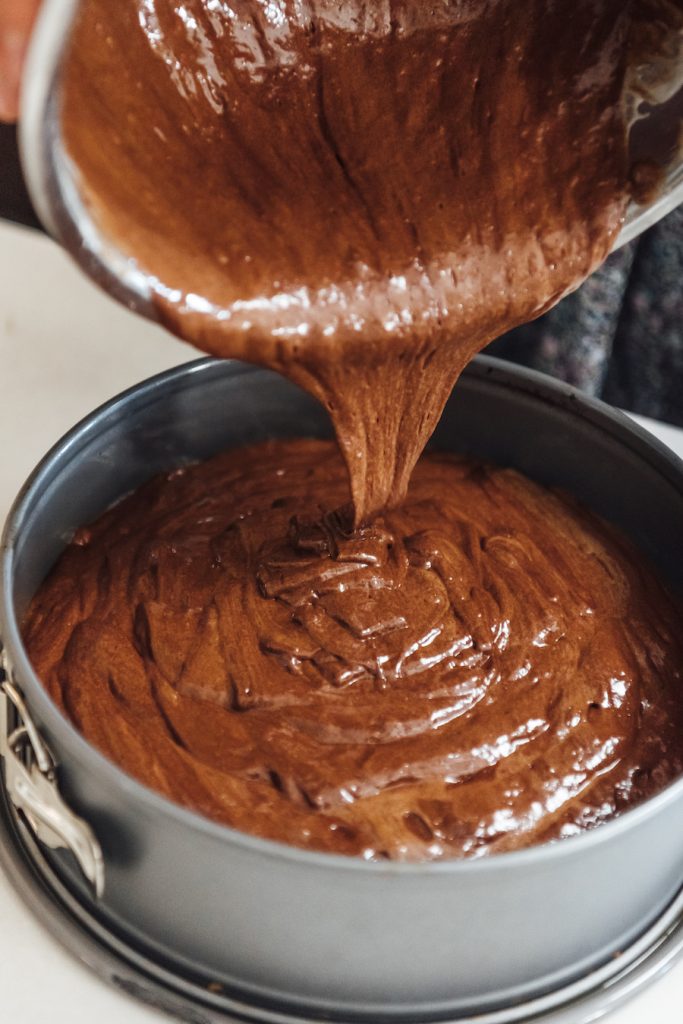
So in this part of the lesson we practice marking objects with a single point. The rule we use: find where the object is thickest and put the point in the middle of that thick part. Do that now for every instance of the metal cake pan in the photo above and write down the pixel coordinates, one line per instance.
(316, 934)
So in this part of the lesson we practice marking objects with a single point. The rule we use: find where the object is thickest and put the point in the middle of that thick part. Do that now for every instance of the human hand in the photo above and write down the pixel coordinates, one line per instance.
(16, 22)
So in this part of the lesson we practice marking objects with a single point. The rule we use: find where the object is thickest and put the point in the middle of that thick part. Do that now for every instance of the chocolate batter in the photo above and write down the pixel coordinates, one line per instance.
(359, 194)
(485, 667)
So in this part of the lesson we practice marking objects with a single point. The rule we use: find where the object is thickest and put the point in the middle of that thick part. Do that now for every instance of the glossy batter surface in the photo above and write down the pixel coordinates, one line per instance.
(359, 194)
(486, 667)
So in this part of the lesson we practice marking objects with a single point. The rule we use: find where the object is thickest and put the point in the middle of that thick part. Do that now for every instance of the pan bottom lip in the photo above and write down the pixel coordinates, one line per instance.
(187, 997)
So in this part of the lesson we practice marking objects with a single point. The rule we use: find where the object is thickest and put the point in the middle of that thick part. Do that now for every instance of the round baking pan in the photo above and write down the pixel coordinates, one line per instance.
(318, 935)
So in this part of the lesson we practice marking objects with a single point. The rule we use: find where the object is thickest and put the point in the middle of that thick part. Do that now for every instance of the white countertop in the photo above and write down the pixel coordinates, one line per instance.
(64, 349)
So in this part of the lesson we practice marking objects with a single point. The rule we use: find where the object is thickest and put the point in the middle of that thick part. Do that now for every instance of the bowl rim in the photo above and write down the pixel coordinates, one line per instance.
(537, 385)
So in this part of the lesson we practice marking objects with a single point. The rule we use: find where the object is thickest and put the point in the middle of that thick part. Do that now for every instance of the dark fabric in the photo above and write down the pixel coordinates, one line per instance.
(620, 336)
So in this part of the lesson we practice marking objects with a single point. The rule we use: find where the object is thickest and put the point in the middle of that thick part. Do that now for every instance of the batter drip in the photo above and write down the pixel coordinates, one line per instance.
(486, 667)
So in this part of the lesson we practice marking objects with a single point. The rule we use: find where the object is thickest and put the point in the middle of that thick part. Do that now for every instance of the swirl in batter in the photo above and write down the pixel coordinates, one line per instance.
(486, 667)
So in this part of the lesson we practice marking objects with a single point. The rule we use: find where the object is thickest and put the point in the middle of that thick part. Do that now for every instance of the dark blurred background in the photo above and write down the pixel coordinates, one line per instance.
(14, 201)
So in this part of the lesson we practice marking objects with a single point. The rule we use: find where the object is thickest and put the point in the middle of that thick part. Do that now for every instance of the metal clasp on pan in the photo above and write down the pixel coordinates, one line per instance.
(31, 783)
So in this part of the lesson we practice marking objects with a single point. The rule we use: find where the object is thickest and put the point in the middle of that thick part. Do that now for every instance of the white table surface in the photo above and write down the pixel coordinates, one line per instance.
(64, 349)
